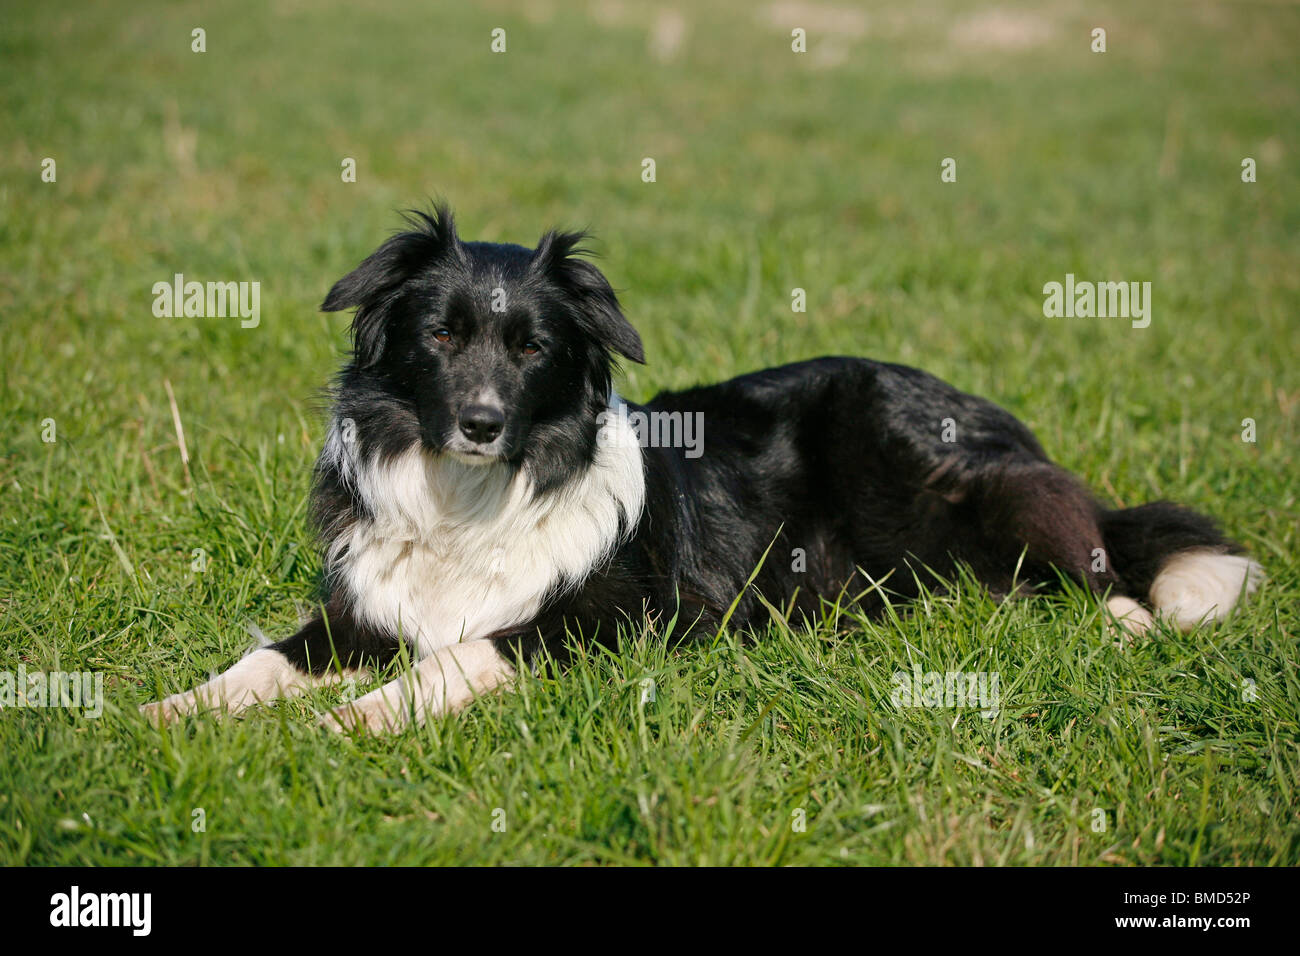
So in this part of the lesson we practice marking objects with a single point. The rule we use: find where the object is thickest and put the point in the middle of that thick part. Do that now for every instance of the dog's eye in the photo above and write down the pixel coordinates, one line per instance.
(442, 335)
(531, 348)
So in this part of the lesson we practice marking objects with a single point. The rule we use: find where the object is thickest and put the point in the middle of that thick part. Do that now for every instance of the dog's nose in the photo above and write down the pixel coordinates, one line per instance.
(481, 424)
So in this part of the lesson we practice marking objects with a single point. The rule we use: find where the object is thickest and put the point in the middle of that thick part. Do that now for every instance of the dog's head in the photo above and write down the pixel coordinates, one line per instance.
(493, 348)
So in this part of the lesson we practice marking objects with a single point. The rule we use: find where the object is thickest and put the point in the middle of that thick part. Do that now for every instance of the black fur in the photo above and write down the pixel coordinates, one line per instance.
(335, 640)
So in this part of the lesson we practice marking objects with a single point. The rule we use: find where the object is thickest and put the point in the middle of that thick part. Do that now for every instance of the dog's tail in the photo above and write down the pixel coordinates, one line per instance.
(1179, 562)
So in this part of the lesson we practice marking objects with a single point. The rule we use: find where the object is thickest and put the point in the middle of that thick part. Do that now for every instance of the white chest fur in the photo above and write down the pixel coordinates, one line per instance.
(454, 552)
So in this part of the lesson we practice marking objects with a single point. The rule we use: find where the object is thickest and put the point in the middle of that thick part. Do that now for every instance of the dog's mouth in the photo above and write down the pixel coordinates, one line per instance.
(472, 457)
(467, 452)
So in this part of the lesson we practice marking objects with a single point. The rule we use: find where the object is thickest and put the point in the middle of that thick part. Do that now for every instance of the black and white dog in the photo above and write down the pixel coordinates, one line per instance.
(483, 492)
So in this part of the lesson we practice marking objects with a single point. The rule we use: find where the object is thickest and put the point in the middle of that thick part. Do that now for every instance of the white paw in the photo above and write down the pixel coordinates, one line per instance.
(157, 712)
(1129, 615)
(173, 708)
(372, 714)
(1201, 586)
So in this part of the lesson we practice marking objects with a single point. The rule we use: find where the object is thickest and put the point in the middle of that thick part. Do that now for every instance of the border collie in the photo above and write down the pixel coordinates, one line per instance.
(483, 495)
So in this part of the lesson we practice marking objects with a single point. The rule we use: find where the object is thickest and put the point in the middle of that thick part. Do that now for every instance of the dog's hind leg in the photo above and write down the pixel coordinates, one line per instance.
(1041, 511)
(1181, 562)
(327, 648)
(1171, 557)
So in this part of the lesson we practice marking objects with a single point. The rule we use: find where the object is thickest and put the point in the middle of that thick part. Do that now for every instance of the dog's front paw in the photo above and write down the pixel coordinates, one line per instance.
(371, 714)
(170, 709)
(156, 712)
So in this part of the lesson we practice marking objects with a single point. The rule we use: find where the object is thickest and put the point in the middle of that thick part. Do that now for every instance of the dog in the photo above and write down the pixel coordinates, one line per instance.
(484, 496)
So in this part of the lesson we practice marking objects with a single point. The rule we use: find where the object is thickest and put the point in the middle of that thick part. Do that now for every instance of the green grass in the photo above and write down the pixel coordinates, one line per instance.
(775, 171)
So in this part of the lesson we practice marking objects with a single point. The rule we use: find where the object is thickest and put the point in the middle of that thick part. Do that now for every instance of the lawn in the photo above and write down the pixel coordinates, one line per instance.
(774, 170)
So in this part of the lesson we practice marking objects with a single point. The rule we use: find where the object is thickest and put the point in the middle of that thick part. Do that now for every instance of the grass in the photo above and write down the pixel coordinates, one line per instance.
(774, 171)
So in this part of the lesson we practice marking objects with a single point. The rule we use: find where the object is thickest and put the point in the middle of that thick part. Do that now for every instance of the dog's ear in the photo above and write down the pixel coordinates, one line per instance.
(596, 305)
(371, 287)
